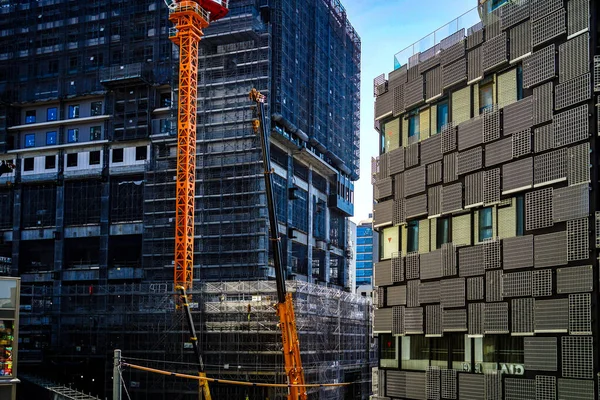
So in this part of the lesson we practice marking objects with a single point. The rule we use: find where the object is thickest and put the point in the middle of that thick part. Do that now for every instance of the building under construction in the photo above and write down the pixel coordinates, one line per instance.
(88, 120)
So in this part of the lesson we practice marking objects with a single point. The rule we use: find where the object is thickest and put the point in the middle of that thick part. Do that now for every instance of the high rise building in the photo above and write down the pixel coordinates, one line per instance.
(366, 250)
(488, 175)
(88, 96)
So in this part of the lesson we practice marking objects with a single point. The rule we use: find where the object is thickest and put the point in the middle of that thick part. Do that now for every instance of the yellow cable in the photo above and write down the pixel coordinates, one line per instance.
(227, 381)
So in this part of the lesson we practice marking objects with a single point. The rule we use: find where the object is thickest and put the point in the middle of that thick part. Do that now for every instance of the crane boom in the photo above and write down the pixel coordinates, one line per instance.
(285, 306)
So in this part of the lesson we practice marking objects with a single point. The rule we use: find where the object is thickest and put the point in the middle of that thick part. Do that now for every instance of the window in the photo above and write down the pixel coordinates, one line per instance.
(72, 160)
(442, 232)
(30, 116)
(388, 350)
(51, 114)
(165, 125)
(165, 99)
(486, 96)
(491, 350)
(73, 135)
(485, 224)
(30, 140)
(442, 116)
(50, 162)
(413, 129)
(141, 153)
(96, 108)
(95, 133)
(415, 352)
(364, 240)
(413, 236)
(117, 155)
(50, 138)
(95, 157)
(73, 111)
(519, 82)
(28, 164)
(364, 249)
(520, 215)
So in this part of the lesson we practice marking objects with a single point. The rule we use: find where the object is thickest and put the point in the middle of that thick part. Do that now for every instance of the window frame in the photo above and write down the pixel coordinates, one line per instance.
(121, 157)
(489, 85)
(138, 153)
(448, 228)
(73, 111)
(414, 127)
(46, 163)
(482, 229)
(72, 160)
(412, 236)
(26, 161)
(73, 135)
(93, 161)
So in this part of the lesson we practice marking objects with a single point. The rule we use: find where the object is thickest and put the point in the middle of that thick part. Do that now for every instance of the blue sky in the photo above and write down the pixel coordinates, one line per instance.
(385, 28)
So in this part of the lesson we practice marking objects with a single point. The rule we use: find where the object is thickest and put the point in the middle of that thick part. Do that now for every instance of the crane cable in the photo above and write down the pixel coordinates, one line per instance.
(228, 381)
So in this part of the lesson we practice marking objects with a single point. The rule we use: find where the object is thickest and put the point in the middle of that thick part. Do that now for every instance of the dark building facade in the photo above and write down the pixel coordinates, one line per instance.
(488, 176)
(88, 95)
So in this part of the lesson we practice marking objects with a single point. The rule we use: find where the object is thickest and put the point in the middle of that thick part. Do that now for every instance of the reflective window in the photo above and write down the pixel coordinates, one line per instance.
(388, 350)
(30, 116)
(520, 215)
(413, 126)
(442, 232)
(413, 236)
(95, 157)
(51, 138)
(486, 97)
(95, 133)
(73, 135)
(50, 162)
(96, 108)
(485, 224)
(30, 140)
(51, 114)
(442, 116)
(73, 111)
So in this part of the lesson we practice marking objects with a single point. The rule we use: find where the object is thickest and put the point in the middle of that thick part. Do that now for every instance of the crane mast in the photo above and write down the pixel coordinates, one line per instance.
(285, 306)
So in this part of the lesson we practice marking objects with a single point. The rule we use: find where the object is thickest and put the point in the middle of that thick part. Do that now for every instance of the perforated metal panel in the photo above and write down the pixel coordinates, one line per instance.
(411, 155)
(578, 239)
(494, 52)
(448, 384)
(539, 67)
(577, 357)
(431, 264)
(396, 160)
(579, 164)
(412, 293)
(416, 206)
(414, 181)
(397, 268)
(454, 73)
(476, 318)
(382, 320)
(491, 186)
(475, 35)
(470, 133)
(382, 273)
(521, 143)
(498, 152)
(454, 320)
(383, 188)
(453, 53)
(573, 91)
(574, 279)
(551, 315)
(384, 104)
(413, 320)
(471, 387)
(469, 160)
(597, 74)
(379, 299)
(578, 19)
(545, 387)
(433, 83)
(433, 320)
(491, 124)
(550, 167)
(519, 389)
(434, 174)
(570, 202)
(415, 385)
(431, 150)
(448, 138)
(550, 249)
(573, 58)
(491, 254)
(434, 200)
(540, 353)
(395, 383)
(398, 100)
(450, 174)
(384, 164)
(575, 389)
(399, 216)
(548, 27)
(538, 209)
(475, 68)
(474, 189)
(541, 8)
(433, 388)
(452, 292)
(518, 116)
(543, 138)
(413, 92)
(470, 261)
(522, 316)
(580, 314)
(571, 126)
(412, 263)
(513, 13)
(542, 103)
(541, 283)
(429, 58)
(398, 320)
(516, 284)
(493, 286)
(520, 41)
(383, 213)
(396, 295)
(475, 288)
(495, 318)
(452, 197)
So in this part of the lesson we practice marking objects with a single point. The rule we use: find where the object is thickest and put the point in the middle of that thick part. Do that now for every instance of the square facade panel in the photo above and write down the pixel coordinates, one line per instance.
(541, 8)
(433, 320)
(498, 152)
(413, 320)
(495, 52)
(543, 138)
(383, 213)
(550, 167)
(453, 53)
(578, 16)
(475, 288)
(577, 357)
(541, 283)
(538, 209)
(519, 389)
(548, 27)
(517, 175)
(550, 249)
(575, 389)
(474, 189)
(434, 173)
(452, 292)
(495, 319)
(539, 67)
(475, 68)
(433, 83)
(469, 160)
(415, 385)
(522, 316)
(452, 198)
(578, 168)
(518, 252)
(470, 133)
(520, 41)
(543, 103)
(471, 387)
(476, 317)
(470, 261)
(450, 174)
(571, 126)
(411, 155)
(518, 116)
(431, 150)
(516, 284)
(540, 353)
(551, 316)
(580, 314)
(416, 206)
(383, 188)
(570, 202)
(493, 286)
(431, 264)
(575, 279)
(454, 320)
(414, 181)
(574, 58)
(513, 13)
(396, 295)
(454, 73)
(521, 143)
(573, 91)
(382, 320)
(578, 243)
